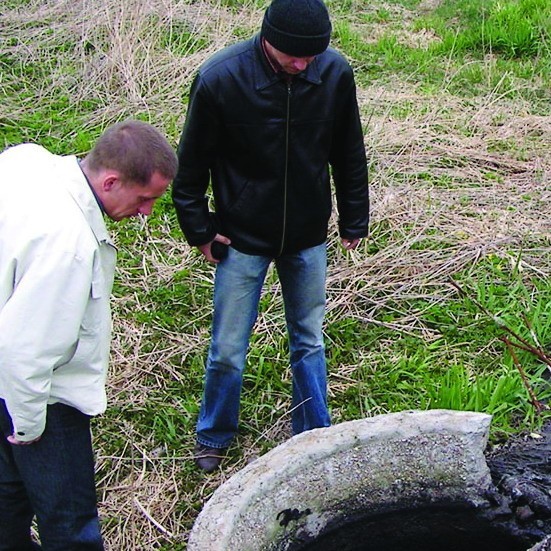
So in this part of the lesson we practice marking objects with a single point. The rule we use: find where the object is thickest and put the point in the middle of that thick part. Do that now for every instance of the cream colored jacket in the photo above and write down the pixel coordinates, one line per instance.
(57, 264)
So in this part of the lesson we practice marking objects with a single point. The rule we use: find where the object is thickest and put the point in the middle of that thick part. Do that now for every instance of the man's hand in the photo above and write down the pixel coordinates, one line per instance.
(13, 440)
(207, 251)
(350, 244)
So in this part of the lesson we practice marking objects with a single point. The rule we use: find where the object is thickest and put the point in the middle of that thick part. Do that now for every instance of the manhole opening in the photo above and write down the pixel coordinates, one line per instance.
(428, 529)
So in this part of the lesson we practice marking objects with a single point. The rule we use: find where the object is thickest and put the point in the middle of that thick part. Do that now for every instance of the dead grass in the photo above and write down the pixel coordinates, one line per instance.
(114, 53)
(464, 177)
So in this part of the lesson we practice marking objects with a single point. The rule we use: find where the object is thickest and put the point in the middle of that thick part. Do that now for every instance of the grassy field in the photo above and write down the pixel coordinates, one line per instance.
(446, 305)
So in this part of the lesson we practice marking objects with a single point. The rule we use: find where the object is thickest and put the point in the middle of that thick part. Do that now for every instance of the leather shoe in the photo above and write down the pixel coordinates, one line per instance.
(208, 459)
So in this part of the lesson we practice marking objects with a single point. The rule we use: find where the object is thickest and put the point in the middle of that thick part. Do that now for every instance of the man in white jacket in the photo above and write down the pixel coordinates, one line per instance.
(57, 263)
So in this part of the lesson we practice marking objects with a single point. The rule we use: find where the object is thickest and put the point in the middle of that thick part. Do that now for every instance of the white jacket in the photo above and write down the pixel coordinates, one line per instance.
(57, 264)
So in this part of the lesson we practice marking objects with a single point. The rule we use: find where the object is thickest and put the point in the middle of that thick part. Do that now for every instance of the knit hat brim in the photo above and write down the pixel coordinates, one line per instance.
(300, 28)
(294, 44)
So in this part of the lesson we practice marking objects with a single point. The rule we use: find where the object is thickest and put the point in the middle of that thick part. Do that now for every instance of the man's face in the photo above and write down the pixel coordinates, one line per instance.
(290, 64)
(124, 200)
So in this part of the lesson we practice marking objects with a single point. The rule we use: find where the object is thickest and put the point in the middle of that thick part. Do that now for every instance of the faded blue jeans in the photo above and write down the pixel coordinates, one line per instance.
(52, 479)
(237, 289)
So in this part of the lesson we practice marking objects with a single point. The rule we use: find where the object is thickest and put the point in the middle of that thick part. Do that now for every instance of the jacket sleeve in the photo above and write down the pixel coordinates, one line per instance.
(39, 330)
(349, 167)
(196, 155)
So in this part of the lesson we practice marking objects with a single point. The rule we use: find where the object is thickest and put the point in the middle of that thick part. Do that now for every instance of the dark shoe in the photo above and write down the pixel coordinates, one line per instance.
(208, 459)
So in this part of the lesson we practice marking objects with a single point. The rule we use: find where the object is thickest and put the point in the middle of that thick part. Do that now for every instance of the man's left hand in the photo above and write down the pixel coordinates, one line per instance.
(350, 244)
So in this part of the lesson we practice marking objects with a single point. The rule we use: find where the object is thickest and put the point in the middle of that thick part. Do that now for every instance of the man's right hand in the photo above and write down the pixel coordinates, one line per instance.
(13, 440)
(206, 249)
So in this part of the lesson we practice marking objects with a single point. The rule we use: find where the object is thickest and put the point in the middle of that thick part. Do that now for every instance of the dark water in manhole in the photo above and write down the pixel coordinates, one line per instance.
(420, 530)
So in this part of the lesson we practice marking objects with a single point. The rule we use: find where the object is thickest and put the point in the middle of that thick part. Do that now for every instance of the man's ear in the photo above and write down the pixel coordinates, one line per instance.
(109, 181)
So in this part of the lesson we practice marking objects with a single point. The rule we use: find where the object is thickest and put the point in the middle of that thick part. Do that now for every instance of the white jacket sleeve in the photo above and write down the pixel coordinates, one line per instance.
(39, 330)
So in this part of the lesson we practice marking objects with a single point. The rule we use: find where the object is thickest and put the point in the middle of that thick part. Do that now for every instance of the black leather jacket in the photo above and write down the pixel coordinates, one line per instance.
(265, 142)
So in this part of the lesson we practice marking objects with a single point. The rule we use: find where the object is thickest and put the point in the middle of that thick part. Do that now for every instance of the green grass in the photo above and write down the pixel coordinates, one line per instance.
(466, 366)
(514, 29)
(465, 33)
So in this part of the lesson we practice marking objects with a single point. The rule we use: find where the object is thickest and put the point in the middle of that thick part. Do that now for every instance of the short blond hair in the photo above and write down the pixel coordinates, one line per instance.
(136, 150)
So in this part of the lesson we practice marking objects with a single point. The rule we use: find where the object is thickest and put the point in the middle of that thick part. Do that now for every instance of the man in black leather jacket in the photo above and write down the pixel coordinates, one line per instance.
(270, 121)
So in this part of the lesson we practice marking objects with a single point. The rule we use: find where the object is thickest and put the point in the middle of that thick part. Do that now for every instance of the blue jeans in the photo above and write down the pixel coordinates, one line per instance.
(52, 479)
(237, 288)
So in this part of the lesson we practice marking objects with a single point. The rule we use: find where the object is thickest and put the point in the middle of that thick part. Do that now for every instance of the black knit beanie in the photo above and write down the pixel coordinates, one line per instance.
(298, 28)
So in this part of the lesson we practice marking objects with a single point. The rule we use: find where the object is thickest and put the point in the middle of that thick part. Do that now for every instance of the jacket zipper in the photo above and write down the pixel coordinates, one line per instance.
(285, 178)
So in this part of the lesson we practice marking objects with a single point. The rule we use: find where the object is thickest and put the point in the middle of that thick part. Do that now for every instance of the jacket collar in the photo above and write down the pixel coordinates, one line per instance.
(79, 189)
(265, 76)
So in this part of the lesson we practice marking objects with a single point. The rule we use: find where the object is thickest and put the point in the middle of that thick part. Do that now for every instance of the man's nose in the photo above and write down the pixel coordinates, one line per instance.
(146, 208)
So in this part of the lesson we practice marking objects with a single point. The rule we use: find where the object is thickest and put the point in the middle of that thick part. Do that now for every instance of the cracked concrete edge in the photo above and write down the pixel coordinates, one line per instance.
(368, 463)
(544, 545)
